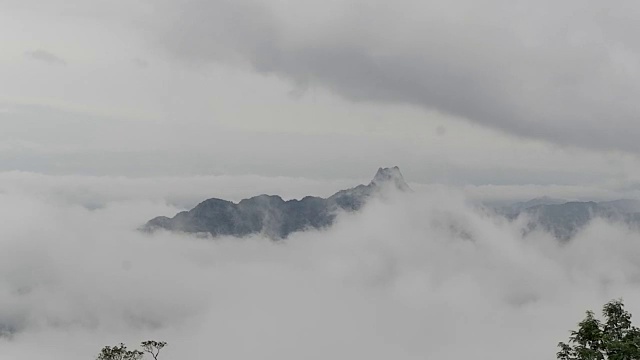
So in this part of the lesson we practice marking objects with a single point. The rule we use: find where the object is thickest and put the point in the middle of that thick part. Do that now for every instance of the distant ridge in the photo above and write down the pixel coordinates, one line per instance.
(272, 216)
(564, 219)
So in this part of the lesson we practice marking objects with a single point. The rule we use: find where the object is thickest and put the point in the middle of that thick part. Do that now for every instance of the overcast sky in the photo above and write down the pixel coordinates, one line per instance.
(499, 93)
(113, 112)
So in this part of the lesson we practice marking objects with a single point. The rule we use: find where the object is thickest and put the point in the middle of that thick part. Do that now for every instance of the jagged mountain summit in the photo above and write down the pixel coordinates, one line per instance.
(390, 176)
(272, 216)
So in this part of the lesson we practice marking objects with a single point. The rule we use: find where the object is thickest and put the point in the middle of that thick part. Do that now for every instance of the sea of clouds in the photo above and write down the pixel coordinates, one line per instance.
(425, 275)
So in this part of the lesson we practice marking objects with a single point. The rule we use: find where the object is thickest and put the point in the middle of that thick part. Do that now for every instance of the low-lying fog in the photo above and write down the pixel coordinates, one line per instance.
(412, 276)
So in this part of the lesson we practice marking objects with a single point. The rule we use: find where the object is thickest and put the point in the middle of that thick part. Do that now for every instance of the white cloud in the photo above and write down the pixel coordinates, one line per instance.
(402, 279)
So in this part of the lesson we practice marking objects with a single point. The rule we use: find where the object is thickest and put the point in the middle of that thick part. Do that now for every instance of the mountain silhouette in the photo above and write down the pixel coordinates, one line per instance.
(564, 219)
(272, 216)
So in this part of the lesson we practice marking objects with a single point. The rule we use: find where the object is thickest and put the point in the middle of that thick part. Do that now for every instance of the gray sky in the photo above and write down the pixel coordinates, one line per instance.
(507, 93)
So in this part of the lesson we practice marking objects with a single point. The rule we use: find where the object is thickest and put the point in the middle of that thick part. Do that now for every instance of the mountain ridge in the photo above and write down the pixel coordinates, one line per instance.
(272, 216)
(565, 219)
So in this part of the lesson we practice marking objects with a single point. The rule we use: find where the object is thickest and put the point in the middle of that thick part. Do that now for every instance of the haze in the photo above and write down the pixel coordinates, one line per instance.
(114, 112)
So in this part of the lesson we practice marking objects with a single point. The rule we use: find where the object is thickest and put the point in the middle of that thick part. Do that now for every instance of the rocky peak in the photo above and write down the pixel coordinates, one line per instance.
(390, 175)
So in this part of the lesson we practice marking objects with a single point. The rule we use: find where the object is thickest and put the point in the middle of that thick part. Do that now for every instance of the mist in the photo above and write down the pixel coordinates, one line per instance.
(114, 113)
(411, 276)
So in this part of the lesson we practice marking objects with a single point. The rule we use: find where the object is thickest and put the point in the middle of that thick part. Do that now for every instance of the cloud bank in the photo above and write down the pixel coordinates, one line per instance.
(566, 73)
(410, 277)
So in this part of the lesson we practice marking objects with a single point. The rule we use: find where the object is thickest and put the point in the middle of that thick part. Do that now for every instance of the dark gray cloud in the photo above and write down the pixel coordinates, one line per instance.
(567, 73)
(45, 56)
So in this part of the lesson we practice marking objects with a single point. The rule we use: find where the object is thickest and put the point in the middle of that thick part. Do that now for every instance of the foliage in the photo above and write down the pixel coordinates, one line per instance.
(120, 352)
(614, 339)
(153, 347)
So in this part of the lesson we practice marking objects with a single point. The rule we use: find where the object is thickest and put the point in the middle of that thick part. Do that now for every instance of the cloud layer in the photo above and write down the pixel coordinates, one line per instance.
(408, 278)
(363, 72)
(566, 73)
